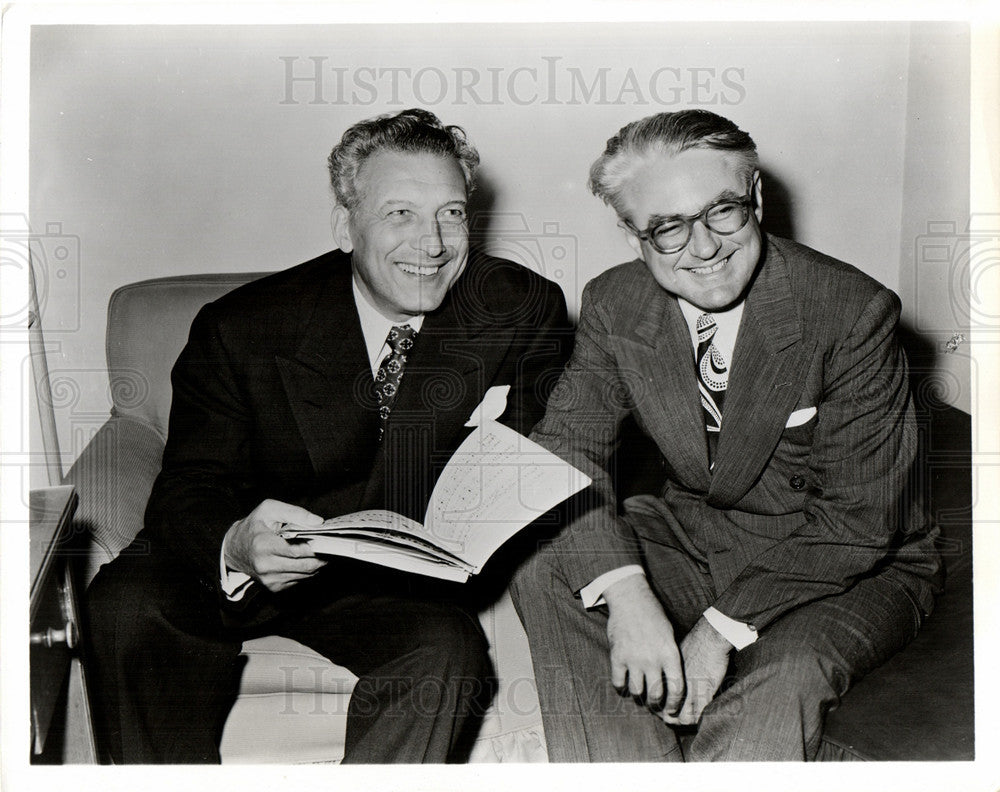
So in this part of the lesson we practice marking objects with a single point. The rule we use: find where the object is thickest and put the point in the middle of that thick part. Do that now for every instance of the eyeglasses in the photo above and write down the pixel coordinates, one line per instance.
(673, 233)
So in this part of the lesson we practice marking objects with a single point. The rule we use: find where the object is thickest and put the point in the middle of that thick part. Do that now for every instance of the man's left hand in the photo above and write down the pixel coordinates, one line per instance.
(705, 654)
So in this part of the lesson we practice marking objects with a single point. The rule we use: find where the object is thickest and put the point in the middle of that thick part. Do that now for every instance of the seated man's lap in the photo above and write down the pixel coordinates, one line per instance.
(381, 616)
(843, 636)
(355, 614)
(149, 615)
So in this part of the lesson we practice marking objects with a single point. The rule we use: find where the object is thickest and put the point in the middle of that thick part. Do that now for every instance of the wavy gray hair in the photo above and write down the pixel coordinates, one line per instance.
(409, 131)
(668, 133)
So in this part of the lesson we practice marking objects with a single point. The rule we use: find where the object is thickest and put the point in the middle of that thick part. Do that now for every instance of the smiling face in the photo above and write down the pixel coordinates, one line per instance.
(713, 270)
(408, 233)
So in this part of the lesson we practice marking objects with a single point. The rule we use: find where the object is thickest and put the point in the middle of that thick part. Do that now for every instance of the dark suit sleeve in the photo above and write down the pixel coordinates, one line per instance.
(581, 424)
(197, 496)
(538, 355)
(863, 448)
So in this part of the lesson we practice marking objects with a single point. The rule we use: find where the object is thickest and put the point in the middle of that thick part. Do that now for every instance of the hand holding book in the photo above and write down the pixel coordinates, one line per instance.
(496, 483)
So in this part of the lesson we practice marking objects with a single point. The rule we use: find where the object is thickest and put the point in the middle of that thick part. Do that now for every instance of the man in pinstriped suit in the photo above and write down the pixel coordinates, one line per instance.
(783, 558)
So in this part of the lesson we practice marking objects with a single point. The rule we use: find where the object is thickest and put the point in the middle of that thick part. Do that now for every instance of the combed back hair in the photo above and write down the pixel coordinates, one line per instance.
(666, 133)
(409, 131)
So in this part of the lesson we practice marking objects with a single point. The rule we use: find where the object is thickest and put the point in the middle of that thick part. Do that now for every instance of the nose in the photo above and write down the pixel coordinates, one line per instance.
(432, 240)
(703, 244)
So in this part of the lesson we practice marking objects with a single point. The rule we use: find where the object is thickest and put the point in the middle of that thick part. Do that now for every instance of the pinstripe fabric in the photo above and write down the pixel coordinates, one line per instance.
(788, 515)
(790, 518)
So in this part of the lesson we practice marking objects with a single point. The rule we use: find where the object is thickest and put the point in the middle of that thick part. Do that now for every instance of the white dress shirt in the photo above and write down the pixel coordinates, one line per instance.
(375, 329)
(592, 595)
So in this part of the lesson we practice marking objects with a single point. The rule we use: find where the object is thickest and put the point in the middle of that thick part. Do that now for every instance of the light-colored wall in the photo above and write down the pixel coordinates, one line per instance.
(935, 223)
(168, 150)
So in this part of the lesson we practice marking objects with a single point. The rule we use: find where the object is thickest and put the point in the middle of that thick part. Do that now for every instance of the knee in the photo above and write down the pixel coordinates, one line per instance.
(799, 673)
(108, 599)
(460, 641)
(127, 607)
(443, 640)
(117, 625)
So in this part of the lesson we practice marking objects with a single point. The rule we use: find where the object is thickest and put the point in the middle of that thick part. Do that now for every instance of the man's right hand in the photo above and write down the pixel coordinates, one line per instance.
(643, 650)
(252, 546)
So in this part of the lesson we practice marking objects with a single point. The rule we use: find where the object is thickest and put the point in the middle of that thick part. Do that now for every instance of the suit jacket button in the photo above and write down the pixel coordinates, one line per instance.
(797, 482)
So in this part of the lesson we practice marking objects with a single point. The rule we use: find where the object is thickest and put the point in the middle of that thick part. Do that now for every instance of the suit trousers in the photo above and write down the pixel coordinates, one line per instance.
(167, 666)
(777, 691)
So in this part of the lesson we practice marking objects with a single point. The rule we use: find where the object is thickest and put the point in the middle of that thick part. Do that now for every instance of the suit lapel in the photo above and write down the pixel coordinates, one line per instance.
(328, 381)
(769, 361)
(446, 365)
(671, 409)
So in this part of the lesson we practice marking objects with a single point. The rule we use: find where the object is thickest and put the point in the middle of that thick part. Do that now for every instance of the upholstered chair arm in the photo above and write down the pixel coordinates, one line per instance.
(113, 478)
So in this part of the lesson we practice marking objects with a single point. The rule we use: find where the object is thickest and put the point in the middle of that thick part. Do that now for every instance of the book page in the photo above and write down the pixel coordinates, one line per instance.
(377, 519)
(376, 540)
(496, 483)
(376, 529)
(396, 557)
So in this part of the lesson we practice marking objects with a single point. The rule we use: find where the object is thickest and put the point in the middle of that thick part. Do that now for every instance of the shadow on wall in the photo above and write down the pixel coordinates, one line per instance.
(778, 219)
(928, 384)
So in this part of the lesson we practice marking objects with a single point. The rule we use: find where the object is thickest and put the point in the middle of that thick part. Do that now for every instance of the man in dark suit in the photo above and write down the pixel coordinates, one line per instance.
(782, 559)
(341, 384)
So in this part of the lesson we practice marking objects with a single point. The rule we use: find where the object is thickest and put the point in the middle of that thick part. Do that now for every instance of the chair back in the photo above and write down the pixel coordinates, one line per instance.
(148, 325)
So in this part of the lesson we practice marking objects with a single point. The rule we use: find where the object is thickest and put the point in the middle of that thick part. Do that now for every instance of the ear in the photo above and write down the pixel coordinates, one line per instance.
(758, 197)
(340, 222)
(633, 241)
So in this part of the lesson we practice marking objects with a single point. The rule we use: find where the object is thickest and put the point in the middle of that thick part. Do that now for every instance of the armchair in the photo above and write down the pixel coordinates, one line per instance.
(292, 706)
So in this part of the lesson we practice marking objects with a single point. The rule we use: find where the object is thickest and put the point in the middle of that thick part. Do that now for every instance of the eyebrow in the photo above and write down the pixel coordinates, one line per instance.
(403, 202)
(726, 195)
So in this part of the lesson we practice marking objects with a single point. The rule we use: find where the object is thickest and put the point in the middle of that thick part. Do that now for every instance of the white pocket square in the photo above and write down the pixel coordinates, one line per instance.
(491, 407)
(799, 417)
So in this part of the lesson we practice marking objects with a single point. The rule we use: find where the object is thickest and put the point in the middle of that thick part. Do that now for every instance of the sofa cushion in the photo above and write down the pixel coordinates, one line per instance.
(285, 729)
(280, 665)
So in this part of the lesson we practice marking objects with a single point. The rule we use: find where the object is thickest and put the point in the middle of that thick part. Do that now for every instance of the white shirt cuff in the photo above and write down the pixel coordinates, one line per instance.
(593, 593)
(737, 633)
(234, 584)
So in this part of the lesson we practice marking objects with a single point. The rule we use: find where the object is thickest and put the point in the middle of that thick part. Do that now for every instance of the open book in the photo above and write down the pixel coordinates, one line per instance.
(497, 482)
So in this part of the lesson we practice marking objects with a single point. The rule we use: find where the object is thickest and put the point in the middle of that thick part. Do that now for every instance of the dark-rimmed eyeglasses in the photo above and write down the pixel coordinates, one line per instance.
(671, 234)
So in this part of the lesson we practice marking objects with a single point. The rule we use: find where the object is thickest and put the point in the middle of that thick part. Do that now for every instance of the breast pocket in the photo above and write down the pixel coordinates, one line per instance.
(797, 437)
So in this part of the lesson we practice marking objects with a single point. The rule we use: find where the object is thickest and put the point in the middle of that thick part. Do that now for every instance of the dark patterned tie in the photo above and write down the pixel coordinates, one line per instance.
(390, 371)
(713, 377)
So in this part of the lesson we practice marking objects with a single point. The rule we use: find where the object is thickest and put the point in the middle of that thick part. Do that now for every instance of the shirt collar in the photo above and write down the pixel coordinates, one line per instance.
(376, 327)
(728, 323)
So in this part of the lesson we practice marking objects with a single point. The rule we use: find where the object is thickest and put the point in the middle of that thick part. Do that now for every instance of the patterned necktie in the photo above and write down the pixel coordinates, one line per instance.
(390, 371)
(713, 377)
